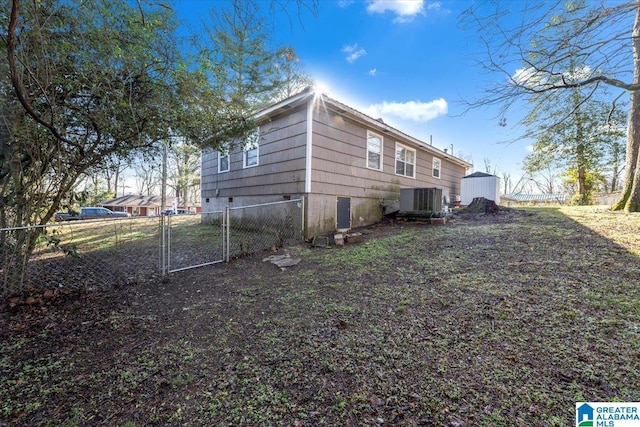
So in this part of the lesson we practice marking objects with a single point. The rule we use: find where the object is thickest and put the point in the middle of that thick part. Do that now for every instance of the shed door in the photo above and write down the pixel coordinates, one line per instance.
(344, 213)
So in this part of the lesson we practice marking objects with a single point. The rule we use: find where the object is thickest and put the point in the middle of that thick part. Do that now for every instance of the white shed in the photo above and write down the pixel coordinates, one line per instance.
(479, 184)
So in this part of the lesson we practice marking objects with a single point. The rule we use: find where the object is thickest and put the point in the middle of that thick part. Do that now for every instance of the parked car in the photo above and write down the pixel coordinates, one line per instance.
(178, 212)
(64, 216)
(90, 213)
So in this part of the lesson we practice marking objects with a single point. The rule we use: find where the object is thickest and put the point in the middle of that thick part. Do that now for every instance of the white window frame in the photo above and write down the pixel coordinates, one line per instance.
(434, 168)
(252, 143)
(395, 164)
(222, 155)
(380, 159)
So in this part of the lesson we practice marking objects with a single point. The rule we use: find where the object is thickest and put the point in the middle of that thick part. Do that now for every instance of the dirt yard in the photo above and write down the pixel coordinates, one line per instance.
(489, 320)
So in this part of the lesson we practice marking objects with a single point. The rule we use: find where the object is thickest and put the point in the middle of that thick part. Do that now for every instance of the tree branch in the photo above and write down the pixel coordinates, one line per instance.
(16, 82)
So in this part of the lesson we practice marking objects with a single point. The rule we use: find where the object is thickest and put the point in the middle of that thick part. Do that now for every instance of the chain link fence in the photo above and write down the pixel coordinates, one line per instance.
(108, 253)
(262, 227)
(80, 254)
(192, 241)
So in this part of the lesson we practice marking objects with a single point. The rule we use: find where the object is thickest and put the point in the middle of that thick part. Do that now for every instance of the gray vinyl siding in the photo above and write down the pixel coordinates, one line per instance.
(339, 158)
(451, 174)
(339, 162)
(281, 162)
(338, 167)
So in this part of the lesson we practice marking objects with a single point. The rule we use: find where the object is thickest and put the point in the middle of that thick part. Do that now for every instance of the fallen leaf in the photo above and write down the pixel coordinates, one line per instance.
(375, 401)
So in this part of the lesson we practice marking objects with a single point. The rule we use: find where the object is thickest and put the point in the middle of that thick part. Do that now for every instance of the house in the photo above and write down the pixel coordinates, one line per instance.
(346, 165)
(480, 184)
(138, 205)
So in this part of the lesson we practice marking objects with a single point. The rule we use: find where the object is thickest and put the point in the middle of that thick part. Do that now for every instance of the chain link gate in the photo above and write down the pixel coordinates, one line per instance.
(197, 240)
(191, 241)
(106, 253)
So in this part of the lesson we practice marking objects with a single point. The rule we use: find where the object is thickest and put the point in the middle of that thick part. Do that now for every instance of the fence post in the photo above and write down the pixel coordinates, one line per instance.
(302, 217)
(163, 250)
(168, 242)
(227, 232)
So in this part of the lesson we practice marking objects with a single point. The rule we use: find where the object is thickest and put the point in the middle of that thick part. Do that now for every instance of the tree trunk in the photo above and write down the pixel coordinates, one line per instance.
(581, 161)
(582, 186)
(116, 180)
(630, 199)
(616, 168)
(583, 192)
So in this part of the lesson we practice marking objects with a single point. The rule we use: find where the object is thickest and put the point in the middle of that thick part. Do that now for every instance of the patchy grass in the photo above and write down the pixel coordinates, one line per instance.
(503, 320)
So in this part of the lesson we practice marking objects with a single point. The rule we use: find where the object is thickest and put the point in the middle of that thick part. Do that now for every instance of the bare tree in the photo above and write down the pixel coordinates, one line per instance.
(506, 182)
(545, 180)
(531, 56)
(489, 168)
(521, 186)
(184, 171)
(147, 175)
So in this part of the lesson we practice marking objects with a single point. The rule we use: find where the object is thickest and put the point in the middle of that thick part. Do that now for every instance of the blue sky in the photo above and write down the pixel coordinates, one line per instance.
(405, 61)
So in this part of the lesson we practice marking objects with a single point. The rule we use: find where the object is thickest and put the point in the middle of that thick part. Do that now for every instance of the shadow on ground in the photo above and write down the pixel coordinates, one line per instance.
(491, 320)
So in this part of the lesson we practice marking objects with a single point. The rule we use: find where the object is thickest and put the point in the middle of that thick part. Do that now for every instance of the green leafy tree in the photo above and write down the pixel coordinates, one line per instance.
(530, 46)
(591, 182)
(84, 81)
(574, 143)
(238, 73)
(95, 191)
(240, 59)
(90, 82)
(294, 78)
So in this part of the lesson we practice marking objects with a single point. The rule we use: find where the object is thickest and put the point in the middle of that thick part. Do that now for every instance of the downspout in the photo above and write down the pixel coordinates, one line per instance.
(307, 168)
(307, 175)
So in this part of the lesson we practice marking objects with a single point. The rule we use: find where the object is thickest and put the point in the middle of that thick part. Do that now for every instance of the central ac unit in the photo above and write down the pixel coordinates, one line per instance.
(421, 200)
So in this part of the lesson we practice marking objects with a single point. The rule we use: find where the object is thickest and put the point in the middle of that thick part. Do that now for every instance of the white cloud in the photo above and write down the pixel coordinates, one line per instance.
(411, 110)
(580, 73)
(530, 78)
(522, 75)
(373, 72)
(405, 10)
(353, 52)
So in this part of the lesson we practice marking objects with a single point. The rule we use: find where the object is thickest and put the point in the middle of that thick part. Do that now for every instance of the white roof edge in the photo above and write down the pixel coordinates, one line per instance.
(289, 101)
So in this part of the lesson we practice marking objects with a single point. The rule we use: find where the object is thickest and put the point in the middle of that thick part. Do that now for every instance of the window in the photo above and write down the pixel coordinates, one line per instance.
(374, 151)
(405, 161)
(223, 162)
(250, 153)
(436, 167)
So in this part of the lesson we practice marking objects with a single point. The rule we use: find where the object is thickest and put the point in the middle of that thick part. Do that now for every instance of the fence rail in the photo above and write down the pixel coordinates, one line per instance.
(108, 253)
